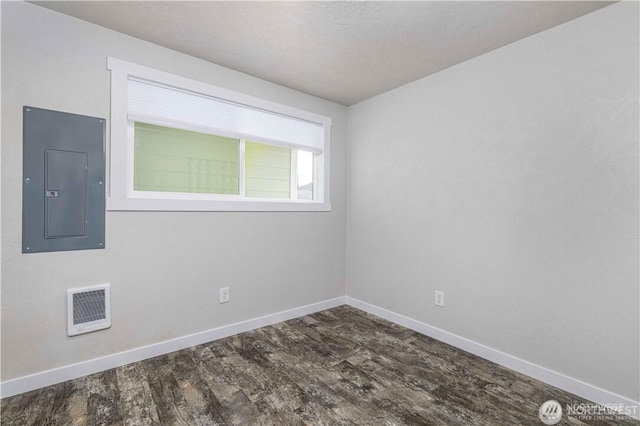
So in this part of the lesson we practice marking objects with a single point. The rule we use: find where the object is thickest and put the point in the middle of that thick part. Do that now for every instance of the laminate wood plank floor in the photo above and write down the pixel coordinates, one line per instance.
(337, 367)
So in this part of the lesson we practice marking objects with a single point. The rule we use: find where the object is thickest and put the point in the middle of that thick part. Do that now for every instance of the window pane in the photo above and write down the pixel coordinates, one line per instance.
(305, 175)
(173, 160)
(267, 171)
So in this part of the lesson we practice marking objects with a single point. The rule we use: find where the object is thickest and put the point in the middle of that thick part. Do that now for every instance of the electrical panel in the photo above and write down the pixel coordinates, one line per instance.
(63, 192)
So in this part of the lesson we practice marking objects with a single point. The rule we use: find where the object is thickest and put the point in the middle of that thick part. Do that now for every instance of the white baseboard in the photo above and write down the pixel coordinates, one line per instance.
(69, 372)
(73, 371)
(576, 387)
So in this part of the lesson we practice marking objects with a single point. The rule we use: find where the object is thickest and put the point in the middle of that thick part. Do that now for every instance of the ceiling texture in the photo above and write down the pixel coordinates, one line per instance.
(344, 51)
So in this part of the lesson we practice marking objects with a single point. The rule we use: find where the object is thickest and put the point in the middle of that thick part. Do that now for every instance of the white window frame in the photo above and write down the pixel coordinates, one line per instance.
(120, 186)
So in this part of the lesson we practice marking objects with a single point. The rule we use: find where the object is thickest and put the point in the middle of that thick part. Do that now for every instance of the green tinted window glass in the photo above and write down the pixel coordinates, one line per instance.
(267, 171)
(173, 160)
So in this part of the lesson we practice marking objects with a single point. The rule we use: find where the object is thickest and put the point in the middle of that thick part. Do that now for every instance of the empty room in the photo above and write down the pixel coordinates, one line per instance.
(320, 213)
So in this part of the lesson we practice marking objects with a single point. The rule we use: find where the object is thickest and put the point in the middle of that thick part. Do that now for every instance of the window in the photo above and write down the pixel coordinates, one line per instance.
(171, 160)
(180, 144)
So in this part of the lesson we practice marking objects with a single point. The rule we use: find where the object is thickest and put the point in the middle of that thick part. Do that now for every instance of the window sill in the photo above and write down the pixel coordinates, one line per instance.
(146, 204)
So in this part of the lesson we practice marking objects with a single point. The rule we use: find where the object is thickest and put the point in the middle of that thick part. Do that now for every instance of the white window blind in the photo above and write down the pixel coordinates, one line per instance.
(154, 103)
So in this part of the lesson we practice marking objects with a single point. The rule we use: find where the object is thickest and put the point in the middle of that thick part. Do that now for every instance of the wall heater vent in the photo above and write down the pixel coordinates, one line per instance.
(88, 309)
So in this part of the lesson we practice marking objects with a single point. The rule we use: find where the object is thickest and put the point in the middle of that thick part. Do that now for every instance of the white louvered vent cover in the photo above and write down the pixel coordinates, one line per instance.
(88, 309)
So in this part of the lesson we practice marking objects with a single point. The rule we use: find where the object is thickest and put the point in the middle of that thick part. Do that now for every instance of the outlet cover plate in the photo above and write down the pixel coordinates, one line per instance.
(224, 294)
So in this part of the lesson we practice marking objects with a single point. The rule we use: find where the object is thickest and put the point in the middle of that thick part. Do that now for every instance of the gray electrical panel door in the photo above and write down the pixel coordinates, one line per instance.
(65, 193)
(63, 203)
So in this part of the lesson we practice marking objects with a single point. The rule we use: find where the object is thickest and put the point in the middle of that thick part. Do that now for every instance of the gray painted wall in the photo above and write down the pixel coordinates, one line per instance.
(164, 268)
(510, 182)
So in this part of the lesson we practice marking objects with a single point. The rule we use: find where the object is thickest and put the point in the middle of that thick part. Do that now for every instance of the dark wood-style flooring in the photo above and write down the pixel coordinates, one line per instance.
(337, 367)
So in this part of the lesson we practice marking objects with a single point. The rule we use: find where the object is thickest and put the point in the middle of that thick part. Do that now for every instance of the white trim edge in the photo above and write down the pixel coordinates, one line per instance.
(73, 371)
(574, 386)
(69, 372)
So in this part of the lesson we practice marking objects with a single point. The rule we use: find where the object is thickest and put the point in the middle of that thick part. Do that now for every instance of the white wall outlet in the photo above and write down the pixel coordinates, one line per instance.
(439, 298)
(224, 294)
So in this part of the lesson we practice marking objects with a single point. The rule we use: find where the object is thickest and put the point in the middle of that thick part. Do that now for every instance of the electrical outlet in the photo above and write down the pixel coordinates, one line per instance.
(224, 294)
(439, 298)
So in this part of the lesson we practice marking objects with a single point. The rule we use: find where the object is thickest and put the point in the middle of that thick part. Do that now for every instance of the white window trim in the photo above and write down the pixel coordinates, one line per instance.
(120, 187)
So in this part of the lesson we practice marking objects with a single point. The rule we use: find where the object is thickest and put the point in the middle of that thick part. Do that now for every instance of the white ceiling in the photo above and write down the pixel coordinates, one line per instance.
(342, 51)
